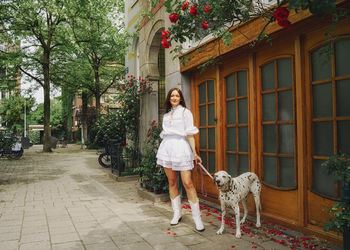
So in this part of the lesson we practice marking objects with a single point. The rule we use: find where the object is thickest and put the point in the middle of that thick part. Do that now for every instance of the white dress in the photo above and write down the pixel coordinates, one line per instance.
(175, 151)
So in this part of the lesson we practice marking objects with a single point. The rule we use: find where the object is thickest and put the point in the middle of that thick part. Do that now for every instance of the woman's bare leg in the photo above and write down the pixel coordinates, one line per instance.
(188, 184)
(172, 179)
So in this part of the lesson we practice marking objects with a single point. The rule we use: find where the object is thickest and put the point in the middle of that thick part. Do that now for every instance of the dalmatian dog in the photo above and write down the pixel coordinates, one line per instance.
(235, 190)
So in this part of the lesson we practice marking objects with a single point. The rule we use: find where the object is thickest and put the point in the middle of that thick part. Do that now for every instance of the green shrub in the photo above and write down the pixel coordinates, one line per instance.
(338, 166)
(112, 125)
(7, 140)
(152, 176)
(34, 136)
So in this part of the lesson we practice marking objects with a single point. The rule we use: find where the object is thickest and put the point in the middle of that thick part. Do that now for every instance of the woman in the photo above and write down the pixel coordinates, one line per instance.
(177, 152)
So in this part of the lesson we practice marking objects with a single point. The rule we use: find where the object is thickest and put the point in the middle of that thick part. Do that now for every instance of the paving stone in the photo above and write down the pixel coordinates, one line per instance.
(126, 238)
(65, 237)
(42, 245)
(74, 245)
(136, 246)
(28, 238)
(9, 245)
(102, 245)
(95, 237)
(34, 230)
(10, 236)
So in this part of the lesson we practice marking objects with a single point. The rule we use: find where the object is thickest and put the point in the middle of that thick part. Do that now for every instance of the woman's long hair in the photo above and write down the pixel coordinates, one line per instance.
(167, 104)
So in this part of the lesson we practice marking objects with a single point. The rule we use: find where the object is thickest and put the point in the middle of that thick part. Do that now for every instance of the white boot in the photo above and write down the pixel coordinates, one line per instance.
(176, 205)
(196, 215)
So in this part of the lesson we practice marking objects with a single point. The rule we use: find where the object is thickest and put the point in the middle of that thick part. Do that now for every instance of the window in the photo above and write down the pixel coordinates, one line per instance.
(278, 124)
(330, 88)
(237, 123)
(207, 124)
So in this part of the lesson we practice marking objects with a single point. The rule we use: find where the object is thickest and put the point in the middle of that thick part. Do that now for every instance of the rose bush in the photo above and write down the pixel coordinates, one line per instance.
(130, 91)
(196, 19)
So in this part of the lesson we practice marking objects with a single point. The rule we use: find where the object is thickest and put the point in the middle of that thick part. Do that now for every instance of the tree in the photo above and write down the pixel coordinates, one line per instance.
(56, 121)
(39, 24)
(101, 41)
(12, 111)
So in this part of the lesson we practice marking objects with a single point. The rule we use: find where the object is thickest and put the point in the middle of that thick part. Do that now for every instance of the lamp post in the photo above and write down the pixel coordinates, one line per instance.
(25, 119)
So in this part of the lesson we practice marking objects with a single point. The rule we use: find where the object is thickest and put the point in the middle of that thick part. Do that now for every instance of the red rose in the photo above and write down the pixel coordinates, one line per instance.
(185, 5)
(165, 34)
(204, 25)
(281, 13)
(113, 85)
(153, 122)
(174, 17)
(148, 133)
(165, 43)
(150, 90)
(126, 144)
(207, 9)
(284, 23)
(123, 86)
(193, 10)
(143, 90)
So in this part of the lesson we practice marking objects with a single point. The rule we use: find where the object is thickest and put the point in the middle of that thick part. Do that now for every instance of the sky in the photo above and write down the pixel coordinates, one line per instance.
(38, 93)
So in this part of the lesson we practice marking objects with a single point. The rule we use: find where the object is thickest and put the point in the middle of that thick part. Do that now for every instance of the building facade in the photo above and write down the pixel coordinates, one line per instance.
(147, 59)
(279, 111)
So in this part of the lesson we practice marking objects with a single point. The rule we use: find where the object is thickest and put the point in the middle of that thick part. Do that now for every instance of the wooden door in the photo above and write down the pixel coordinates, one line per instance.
(276, 124)
(204, 106)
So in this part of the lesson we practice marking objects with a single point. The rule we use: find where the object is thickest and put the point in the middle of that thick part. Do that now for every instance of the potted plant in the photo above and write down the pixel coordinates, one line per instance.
(339, 167)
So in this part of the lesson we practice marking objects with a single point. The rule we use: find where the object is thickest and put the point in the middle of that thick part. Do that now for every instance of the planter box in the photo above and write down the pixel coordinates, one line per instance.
(152, 196)
(124, 178)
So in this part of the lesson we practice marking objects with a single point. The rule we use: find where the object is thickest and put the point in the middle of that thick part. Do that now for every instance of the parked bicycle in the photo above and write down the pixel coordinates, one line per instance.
(11, 148)
(105, 159)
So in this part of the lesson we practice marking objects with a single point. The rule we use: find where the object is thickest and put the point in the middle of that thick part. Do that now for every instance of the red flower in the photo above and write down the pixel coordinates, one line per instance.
(123, 86)
(185, 5)
(148, 133)
(207, 9)
(165, 43)
(204, 25)
(166, 34)
(153, 122)
(174, 17)
(126, 144)
(281, 13)
(113, 85)
(193, 10)
(284, 23)
(150, 90)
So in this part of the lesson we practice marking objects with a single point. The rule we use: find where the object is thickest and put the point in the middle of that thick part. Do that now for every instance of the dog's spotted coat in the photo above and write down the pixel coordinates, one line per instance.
(235, 190)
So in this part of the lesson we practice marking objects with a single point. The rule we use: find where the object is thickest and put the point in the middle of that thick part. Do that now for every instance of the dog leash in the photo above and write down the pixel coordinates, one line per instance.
(205, 170)
(201, 170)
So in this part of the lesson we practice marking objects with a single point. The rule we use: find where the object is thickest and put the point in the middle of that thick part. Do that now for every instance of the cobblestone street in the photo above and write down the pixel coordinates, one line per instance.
(65, 200)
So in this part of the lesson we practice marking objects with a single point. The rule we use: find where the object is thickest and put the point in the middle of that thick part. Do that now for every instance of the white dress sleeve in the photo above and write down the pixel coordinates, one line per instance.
(161, 135)
(190, 129)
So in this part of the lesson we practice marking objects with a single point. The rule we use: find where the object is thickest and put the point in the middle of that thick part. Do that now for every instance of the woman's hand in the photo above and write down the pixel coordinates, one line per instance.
(197, 159)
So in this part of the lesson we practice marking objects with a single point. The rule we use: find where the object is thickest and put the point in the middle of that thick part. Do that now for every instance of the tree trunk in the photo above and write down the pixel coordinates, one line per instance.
(84, 107)
(47, 129)
(97, 91)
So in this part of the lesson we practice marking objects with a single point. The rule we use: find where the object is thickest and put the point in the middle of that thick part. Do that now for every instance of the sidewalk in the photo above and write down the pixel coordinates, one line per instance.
(65, 200)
